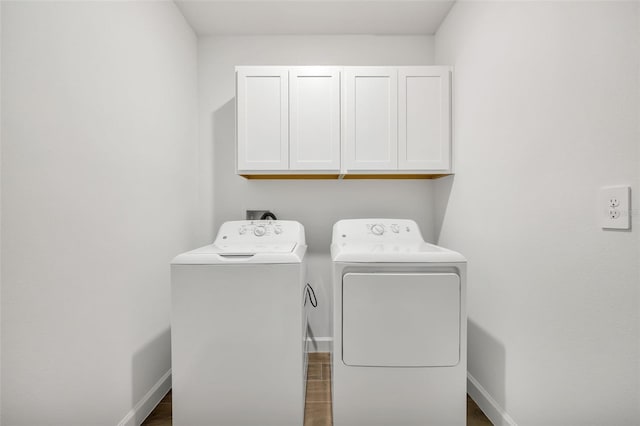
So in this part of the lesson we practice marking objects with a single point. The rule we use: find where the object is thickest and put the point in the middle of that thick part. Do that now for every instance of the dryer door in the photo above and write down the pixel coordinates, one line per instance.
(401, 320)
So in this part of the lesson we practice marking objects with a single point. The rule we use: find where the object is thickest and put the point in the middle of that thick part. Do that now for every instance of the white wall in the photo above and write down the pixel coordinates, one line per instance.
(99, 174)
(316, 204)
(0, 212)
(546, 111)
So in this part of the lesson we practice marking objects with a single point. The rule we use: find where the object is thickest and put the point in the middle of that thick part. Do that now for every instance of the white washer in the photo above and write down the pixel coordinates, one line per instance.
(400, 327)
(237, 327)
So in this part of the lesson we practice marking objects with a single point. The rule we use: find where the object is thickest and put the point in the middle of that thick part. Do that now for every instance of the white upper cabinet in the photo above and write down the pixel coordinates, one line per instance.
(262, 118)
(331, 121)
(314, 118)
(371, 118)
(424, 130)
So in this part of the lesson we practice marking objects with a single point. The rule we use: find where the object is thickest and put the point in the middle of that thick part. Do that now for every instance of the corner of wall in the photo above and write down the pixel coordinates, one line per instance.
(488, 405)
(1, 38)
(149, 401)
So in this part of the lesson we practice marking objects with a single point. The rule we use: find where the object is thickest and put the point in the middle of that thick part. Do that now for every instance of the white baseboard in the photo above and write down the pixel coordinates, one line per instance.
(145, 406)
(487, 404)
(320, 344)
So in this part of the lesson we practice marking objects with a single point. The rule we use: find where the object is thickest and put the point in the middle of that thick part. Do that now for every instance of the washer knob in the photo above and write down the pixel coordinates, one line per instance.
(242, 230)
(277, 230)
(259, 231)
(395, 228)
(377, 229)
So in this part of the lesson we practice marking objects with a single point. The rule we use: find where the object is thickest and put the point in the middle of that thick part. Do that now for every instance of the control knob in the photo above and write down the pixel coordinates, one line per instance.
(377, 229)
(395, 228)
(259, 231)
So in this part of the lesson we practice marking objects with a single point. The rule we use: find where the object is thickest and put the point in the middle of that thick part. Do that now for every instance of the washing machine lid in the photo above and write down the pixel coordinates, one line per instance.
(259, 241)
(385, 241)
(243, 249)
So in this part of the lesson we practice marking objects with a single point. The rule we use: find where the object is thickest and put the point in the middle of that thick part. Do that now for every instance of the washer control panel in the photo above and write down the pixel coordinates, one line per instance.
(261, 230)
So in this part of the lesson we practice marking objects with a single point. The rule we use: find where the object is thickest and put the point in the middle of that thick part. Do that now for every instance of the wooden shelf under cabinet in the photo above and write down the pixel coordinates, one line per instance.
(350, 176)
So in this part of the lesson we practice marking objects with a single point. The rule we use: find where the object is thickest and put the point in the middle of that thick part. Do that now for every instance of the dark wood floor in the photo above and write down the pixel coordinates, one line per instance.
(317, 410)
(317, 406)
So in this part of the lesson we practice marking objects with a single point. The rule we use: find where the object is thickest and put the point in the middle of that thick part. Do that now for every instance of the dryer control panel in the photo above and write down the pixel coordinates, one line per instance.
(387, 230)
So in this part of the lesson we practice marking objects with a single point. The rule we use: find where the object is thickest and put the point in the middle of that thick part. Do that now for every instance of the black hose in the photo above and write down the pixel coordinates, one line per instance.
(310, 295)
(268, 215)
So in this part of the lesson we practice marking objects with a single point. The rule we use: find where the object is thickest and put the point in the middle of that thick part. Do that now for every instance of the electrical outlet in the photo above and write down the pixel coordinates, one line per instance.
(255, 214)
(615, 202)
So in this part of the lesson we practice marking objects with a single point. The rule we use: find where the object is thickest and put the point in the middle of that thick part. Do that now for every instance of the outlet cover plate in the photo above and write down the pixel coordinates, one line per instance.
(614, 207)
(255, 214)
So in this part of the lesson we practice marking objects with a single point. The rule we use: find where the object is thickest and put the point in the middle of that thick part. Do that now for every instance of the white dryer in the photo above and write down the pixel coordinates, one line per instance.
(237, 327)
(400, 327)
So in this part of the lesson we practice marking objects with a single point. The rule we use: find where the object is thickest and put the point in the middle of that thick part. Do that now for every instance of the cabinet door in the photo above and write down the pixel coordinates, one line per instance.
(371, 119)
(424, 112)
(263, 118)
(314, 118)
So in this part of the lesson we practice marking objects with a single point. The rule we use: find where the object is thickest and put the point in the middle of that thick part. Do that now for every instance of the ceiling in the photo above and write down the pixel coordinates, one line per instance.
(269, 17)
